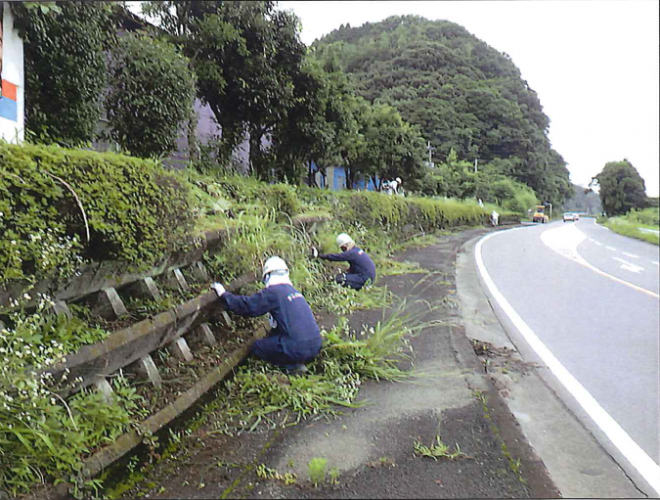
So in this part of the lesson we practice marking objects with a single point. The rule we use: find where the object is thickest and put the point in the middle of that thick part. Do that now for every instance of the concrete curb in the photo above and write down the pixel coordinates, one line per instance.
(540, 482)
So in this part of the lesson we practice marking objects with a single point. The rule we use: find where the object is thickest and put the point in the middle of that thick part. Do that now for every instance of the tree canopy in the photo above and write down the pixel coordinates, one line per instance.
(151, 95)
(65, 67)
(464, 95)
(246, 56)
(621, 188)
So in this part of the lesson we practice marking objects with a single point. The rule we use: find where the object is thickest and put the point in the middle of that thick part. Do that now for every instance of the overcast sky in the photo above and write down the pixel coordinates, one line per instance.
(594, 65)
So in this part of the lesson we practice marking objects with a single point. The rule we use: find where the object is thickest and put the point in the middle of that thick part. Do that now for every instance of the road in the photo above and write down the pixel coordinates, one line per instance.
(591, 298)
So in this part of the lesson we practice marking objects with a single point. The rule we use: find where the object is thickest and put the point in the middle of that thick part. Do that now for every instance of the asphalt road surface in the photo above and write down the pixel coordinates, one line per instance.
(591, 296)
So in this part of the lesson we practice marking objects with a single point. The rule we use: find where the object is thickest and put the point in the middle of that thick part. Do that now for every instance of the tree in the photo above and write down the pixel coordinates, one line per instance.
(621, 188)
(247, 56)
(394, 147)
(462, 94)
(151, 95)
(65, 67)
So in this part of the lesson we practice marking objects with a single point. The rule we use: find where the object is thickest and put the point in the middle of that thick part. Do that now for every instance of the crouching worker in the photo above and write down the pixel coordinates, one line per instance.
(362, 268)
(294, 338)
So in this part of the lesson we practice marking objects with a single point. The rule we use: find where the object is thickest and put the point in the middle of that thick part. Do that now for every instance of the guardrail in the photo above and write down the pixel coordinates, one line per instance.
(131, 348)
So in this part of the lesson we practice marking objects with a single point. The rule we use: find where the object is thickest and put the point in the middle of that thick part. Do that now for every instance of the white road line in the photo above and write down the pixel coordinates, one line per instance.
(632, 256)
(627, 266)
(656, 263)
(611, 248)
(565, 241)
(649, 470)
(599, 244)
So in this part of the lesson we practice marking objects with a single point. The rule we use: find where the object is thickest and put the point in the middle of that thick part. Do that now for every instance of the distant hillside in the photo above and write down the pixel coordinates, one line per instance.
(581, 201)
(462, 94)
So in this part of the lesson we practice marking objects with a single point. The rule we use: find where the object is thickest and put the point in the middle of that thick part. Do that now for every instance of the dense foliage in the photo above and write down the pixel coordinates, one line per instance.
(65, 68)
(246, 56)
(50, 197)
(151, 95)
(463, 94)
(621, 188)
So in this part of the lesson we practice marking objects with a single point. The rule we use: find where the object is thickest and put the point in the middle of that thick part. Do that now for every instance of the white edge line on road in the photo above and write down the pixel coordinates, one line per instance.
(633, 256)
(582, 261)
(611, 248)
(649, 470)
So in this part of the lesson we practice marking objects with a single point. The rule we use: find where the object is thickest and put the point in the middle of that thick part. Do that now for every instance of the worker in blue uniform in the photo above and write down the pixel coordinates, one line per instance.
(361, 270)
(294, 338)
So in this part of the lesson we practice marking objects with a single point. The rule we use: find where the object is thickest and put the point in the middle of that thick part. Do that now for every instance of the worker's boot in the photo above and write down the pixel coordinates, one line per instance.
(295, 369)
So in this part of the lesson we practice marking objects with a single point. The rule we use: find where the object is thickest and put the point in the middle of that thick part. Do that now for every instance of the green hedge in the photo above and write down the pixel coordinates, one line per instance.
(136, 212)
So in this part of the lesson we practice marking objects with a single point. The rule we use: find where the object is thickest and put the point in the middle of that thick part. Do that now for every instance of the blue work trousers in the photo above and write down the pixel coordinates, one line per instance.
(282, 353)
(354, 281)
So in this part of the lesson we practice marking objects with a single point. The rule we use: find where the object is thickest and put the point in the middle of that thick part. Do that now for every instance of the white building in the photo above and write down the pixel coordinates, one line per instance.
(12, 100)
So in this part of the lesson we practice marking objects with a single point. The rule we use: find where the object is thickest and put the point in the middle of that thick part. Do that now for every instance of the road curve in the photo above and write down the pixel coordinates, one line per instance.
(591, 297)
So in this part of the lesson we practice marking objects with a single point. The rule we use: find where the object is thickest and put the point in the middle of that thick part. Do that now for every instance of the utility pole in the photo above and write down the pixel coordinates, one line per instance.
(430, 150)
(476, 161)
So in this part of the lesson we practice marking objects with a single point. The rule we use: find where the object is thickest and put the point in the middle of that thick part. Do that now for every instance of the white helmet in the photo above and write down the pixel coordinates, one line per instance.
(344, 239)
(398, 179)
(274, 264)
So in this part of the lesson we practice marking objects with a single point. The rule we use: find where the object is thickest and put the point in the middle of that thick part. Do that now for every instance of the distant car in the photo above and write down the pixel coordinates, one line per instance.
(570, 216)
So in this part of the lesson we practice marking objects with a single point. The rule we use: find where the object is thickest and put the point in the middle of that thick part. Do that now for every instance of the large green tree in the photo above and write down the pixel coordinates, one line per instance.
(151, 95)
(65, 48)
(247, 57)
(621, 188)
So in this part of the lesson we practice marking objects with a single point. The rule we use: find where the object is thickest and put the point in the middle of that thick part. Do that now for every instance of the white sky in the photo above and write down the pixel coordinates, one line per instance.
(594, 65)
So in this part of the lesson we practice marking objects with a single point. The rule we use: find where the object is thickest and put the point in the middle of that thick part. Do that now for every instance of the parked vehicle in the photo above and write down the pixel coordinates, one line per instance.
(539, 214)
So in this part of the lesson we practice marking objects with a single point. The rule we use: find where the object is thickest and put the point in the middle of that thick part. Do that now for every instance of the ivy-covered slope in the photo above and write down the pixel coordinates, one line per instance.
(462, 93)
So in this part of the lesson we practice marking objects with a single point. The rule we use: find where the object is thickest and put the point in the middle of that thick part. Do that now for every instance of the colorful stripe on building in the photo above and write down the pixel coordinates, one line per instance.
(8, 101)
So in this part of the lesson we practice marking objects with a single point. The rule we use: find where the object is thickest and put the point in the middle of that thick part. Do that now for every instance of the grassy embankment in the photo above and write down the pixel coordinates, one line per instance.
(60, 209)
(634, 223)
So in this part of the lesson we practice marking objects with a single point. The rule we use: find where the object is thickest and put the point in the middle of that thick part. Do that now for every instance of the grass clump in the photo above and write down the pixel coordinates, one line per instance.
(437, 450)
(317, 470)
(261, 393)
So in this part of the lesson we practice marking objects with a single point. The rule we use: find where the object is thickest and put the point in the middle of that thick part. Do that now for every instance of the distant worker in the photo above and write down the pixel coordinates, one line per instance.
(294, 338)
(392, 187)
(362, 269)
(494, 218)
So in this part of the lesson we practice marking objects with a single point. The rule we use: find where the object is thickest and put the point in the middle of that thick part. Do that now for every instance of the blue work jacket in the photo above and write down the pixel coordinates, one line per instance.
(292, 318)
(360, 262)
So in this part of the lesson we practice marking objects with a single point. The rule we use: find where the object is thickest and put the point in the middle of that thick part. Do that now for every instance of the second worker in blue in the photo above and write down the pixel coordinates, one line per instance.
(361, 270)
(294, 338)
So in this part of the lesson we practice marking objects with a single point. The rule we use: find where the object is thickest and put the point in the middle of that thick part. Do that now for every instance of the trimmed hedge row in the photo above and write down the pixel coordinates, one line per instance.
(135, 211)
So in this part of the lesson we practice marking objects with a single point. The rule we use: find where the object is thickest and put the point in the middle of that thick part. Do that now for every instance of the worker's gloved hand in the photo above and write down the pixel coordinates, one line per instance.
(219, 289)
(315, 252)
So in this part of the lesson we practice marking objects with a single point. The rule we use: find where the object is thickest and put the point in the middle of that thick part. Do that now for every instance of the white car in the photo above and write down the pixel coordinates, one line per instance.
(570, 216)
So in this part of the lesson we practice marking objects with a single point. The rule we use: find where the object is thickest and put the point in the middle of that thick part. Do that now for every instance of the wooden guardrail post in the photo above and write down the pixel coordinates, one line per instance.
(107, 304)
(60, 308)
(145, 288)
(104, 387)
(176, 280)
(199, 272)
(203, 335)
(179, 349)
(146, 368)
